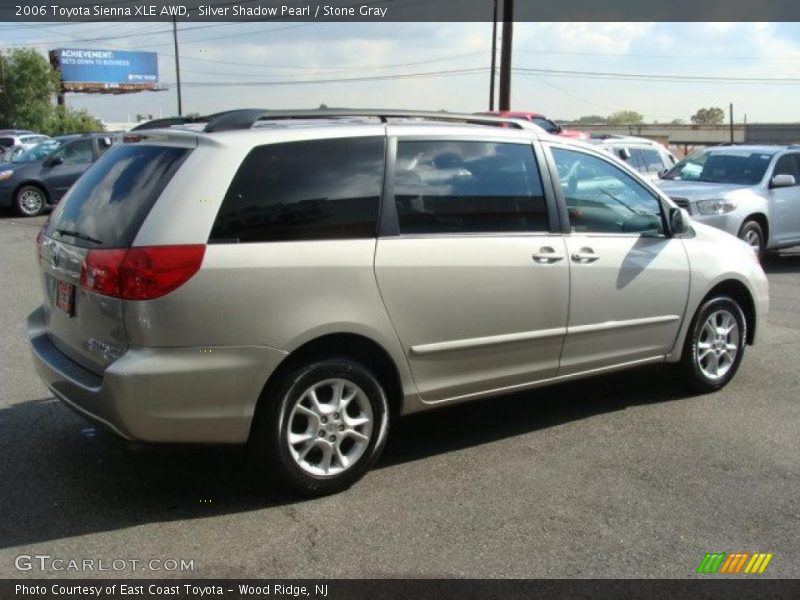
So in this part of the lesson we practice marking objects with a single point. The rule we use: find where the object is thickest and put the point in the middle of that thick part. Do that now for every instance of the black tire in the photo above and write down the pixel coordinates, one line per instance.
(278, 460)
(693, 370)
(752, 233)
(24, 203)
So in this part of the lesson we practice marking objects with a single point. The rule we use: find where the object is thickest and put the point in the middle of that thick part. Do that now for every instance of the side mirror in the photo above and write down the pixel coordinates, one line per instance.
(662, 172)
(53, 161)
(782, 181)
(558, 129)
(678, 221)
(624, 153)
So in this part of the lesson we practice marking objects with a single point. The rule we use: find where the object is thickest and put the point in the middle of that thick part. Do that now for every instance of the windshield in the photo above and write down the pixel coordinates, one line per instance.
(38, 152)
(545, 124)
(731, 165)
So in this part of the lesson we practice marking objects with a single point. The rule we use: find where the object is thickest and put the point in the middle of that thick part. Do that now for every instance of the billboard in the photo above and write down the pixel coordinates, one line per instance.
(111, 71)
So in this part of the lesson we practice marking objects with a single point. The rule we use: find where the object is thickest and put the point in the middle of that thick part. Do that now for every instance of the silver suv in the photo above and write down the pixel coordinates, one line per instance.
(752, 192)
(297, 280)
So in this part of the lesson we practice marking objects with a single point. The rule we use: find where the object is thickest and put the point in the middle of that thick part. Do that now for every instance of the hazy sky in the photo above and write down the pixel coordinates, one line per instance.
(219, 59)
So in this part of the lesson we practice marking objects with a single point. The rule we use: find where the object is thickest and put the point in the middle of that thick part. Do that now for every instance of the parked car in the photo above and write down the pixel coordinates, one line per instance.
(649, 158)
(9, 154)
(20, 137)
(15, 141)
(752, 192)
(39, 177)
(548, 125)
(299, 286)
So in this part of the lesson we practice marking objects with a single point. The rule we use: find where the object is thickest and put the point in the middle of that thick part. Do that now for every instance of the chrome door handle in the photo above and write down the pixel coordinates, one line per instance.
(585, 255)
(547, 255)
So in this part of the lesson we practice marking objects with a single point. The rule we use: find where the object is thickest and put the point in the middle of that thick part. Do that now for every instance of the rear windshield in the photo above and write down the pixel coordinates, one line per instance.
(109, 203)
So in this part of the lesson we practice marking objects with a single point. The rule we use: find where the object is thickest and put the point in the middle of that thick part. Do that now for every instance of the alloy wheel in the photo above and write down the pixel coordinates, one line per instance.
(330, 426)
(31, 201)
(718, 344)
(753, 239)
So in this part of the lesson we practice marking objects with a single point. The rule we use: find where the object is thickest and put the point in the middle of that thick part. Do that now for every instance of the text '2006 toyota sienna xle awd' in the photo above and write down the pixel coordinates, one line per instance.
(296, 280)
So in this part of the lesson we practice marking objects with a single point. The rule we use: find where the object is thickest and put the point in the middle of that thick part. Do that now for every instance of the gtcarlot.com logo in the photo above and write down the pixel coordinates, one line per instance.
(735, 563)
(45, 562)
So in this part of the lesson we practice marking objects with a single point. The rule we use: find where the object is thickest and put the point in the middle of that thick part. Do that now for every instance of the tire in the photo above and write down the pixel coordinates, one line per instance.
(752, 233)
(708, 350)
(29, 201)
(324, 431)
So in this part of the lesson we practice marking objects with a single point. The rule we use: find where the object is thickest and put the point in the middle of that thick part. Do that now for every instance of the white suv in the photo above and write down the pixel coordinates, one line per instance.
(647, 157)
(297, 281)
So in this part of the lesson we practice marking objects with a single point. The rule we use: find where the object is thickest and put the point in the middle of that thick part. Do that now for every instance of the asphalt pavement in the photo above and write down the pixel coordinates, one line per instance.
(620, 476)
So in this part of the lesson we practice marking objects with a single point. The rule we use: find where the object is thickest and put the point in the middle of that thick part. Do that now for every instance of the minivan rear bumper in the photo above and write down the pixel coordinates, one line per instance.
(190, 395)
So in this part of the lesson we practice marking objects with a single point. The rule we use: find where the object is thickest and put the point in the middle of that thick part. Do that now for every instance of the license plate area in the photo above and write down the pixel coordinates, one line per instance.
(65, 297)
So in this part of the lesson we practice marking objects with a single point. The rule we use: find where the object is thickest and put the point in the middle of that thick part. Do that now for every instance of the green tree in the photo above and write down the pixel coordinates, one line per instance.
(27, 97)
(709, 116)
(30, 83)
(676, 122)
(625, 117)
(71, 121)
(590, 120)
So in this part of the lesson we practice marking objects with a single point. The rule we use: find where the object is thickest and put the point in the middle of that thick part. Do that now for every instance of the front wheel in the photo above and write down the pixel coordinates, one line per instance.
(323, 428)
(752, 233)
(29, 201)
(714, 345)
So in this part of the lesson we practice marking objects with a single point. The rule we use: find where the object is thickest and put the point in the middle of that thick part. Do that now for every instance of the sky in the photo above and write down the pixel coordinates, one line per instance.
(261, 65)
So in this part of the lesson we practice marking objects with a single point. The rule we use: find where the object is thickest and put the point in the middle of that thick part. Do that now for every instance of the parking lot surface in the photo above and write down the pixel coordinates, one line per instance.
(621, 476)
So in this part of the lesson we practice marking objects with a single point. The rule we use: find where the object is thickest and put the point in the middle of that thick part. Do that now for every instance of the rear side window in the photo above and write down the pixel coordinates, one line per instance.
(33, 139)
(468, 187)
(652, 160)
(310, 190)
(110, 202)
(788, 165)
(6, 142)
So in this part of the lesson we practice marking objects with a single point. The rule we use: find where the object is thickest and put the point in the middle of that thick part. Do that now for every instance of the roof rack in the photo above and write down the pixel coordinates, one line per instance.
(220, 117)
(246, 118)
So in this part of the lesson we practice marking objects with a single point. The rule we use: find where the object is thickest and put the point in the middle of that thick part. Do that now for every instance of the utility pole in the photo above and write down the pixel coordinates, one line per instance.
(731, 120)
(505, 55)
(494, 57)
(177, 63)
(6, 105)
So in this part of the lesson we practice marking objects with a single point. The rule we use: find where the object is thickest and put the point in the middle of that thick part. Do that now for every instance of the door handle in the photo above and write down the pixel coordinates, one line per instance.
(547, 255)
(585, 255)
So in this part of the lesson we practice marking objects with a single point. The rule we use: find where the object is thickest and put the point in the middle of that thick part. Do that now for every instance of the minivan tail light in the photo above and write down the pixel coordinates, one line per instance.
(140, 273)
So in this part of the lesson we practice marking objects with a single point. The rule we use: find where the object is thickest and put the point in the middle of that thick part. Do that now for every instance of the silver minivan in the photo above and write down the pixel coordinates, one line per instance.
(298, 280)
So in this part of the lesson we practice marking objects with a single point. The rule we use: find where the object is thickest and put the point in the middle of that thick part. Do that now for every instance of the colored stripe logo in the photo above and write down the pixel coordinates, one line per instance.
(735, 563)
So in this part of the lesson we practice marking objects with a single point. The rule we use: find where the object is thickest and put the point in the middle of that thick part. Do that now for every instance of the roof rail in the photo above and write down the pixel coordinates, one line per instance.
(246, 118)
(228, 117)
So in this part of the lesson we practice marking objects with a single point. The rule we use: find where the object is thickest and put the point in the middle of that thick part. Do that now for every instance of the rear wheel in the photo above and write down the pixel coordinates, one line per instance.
(715, 345)
(752, 233)
(29, 201)
(323, 428)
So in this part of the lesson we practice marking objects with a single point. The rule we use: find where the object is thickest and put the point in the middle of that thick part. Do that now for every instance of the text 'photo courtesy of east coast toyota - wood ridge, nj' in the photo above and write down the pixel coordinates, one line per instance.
(397, 299)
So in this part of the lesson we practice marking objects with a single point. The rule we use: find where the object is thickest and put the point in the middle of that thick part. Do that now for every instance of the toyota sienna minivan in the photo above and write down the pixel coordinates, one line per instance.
(299, 280)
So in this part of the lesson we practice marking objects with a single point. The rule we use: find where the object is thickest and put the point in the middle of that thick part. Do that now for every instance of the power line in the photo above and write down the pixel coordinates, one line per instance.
(322, 69)
(672, 78)
(669, 56)
(445, 73)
